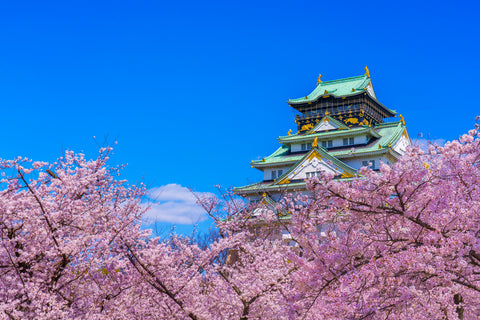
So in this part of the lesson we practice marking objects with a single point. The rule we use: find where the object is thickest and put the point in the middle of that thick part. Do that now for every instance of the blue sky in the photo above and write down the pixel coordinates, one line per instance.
(192, 91)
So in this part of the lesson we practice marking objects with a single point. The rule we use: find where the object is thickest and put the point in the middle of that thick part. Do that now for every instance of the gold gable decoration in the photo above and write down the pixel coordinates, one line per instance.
(367, 72)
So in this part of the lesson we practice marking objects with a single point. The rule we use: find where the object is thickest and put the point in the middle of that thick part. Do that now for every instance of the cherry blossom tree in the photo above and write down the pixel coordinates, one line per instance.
(72, 248)
(238, 276)
(62, 227)
(403, 243)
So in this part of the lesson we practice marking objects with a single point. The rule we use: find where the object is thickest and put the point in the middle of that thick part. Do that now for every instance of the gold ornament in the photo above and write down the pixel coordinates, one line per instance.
(367, 72)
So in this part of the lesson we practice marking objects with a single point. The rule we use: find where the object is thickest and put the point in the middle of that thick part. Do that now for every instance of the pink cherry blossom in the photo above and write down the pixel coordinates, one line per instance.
(402, 243)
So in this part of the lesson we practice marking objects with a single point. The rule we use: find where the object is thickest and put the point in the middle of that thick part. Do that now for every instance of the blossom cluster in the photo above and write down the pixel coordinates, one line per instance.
(402, 243)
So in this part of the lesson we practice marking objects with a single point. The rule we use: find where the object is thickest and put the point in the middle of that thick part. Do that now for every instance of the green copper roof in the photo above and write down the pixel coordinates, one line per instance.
(261, 187)
(387, 134)
(280, 160)
(337, 88)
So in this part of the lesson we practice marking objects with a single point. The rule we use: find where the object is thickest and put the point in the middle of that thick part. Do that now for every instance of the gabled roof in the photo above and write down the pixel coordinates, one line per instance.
(281, 152)
(338, 88)
(332, 124)
(284, 184)
(260, 187)
(326, 161)
(267, 203)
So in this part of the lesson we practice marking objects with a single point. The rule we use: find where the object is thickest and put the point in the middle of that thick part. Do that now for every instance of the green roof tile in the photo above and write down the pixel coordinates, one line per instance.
(337, 88)
(387, 134)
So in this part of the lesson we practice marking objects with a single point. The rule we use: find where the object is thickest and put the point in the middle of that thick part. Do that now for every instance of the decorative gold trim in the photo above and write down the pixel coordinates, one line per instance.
(307, 126)
(367, 72)
(314, 154)
(347, 175)
(319, 79)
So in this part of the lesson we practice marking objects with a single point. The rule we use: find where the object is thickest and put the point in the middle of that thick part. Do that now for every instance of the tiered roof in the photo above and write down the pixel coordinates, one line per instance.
(384, 138)
(380, 139)
(385, 135)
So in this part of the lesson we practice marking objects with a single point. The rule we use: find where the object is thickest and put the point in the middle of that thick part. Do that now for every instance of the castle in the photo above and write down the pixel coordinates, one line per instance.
(341, 127)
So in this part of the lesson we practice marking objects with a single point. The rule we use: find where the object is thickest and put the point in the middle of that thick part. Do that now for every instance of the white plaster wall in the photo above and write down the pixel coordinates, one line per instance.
(361, 139)
(312, 166)
(401, 145)
(356, 163)
(296, 148)
(267, 173)
(335, 143)
(325, 125)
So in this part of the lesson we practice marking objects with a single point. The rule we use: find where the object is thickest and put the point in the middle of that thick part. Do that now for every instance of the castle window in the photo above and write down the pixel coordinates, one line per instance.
(276, 174)
(327, 144)
(305, 146)
(313, 174)
(348, 141)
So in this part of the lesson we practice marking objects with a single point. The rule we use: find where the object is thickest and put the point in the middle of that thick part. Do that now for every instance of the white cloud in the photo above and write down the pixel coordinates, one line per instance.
(175, 204)
(425, 143)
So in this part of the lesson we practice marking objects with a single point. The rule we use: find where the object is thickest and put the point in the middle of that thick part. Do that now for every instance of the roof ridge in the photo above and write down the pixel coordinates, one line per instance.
(385, 124)
(342, 79)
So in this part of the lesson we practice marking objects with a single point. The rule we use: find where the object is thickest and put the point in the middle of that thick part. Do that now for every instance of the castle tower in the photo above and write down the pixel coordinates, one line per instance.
(341, 126)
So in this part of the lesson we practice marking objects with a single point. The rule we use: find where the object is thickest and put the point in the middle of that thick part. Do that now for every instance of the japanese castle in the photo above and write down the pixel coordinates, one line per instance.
(341, 127)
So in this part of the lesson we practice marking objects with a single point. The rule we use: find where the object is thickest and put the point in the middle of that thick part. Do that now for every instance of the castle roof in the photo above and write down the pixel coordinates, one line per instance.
(338, 88)
(384, 136)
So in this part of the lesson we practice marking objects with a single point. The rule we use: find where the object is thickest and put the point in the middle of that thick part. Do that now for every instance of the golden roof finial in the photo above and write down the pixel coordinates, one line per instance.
(319, 79)
(367, 72)
(315, 142)
(289, 132)
(402, 119)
